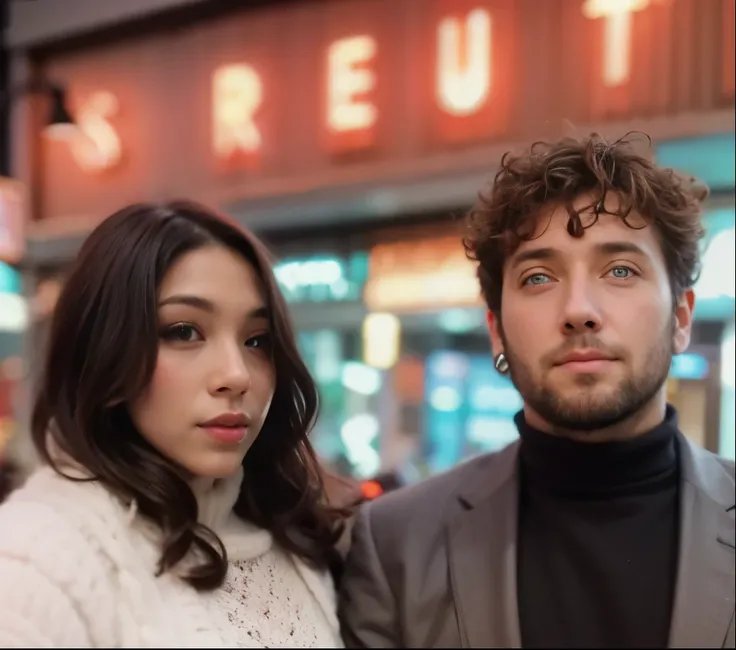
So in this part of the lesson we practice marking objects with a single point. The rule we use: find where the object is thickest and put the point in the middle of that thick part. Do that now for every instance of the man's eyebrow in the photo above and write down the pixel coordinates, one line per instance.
(616, 247)
(534, 255)
(604, 248)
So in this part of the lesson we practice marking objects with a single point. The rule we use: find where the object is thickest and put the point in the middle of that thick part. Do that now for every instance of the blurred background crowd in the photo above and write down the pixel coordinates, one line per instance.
(351, 135)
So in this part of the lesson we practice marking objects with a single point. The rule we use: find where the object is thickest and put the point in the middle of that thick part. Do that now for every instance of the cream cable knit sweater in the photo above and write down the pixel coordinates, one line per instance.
(77, 568)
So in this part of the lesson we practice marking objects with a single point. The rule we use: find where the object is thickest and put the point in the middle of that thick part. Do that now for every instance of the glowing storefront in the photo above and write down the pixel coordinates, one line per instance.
(13, 324)
(704, 385)
(346, 145)
(407, 376)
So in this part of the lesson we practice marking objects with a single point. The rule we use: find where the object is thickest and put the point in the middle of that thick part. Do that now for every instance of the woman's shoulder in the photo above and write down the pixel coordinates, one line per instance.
(53, 514)
(55, 565)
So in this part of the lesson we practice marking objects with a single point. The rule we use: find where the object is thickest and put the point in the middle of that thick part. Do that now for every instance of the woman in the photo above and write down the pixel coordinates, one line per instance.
(180, 503)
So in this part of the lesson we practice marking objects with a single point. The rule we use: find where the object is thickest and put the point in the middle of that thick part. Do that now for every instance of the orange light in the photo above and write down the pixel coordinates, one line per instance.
(462, 89)
(237, 93)
(96, 146)
(420, 275)
(617, 35)
(13, 218)
(371, 489)
(346, 81)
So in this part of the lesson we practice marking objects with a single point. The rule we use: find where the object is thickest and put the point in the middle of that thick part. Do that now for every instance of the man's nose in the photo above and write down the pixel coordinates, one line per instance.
(580, 312)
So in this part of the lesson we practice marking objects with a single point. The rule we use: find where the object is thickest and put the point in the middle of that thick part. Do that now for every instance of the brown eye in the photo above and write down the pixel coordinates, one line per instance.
(262, 342)
(181, 332)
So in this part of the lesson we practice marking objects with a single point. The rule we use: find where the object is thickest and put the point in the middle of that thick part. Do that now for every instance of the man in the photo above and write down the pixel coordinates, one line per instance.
(603, 526)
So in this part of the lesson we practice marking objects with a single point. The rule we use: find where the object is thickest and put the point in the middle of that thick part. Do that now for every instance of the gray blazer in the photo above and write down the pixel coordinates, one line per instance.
(434, 565)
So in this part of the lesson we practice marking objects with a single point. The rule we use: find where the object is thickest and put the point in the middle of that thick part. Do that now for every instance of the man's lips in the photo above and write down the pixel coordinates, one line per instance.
(584, 356)
(585, 361)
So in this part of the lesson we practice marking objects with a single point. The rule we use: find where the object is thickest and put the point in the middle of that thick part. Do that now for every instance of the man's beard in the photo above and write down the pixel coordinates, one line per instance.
(589, 411)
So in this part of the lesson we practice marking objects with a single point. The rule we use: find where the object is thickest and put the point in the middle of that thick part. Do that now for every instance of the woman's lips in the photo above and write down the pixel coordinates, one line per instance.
(226, 434)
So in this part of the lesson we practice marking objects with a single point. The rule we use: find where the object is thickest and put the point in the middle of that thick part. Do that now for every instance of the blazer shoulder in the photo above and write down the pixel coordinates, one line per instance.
(708, 472)
(433, 498)
(728, 465)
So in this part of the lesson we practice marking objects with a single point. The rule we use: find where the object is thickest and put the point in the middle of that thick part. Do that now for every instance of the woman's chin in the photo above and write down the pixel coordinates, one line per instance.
(219, 466)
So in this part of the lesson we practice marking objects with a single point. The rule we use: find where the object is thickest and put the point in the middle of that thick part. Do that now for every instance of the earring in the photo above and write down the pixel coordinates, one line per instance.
(501, 364)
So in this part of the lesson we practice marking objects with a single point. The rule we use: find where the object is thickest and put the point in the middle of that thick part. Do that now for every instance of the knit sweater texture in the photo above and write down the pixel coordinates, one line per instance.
(78, 568)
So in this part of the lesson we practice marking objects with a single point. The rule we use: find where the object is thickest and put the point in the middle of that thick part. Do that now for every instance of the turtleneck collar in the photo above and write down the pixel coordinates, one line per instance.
(215, 501)
(647, 463)
(216, 498)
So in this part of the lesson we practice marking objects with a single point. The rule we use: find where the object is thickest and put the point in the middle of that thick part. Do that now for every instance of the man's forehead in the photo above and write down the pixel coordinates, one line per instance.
(551, 231)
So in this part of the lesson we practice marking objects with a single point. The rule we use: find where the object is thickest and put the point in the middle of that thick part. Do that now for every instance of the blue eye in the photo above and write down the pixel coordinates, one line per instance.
(537, 279)
(621, 272)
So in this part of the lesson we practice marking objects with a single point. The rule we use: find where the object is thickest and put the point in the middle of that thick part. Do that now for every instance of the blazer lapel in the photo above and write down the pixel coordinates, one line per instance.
(704, 596)
(482, 550)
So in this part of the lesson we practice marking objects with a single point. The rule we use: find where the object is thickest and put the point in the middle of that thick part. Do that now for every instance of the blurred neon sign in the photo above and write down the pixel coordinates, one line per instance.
(237, 93)
(416, 275)
(322, 278)
(349, 83)
(617, 35)
(97, 146)
(465, 56)
(463, 83)
(464, 62)
(469, 82)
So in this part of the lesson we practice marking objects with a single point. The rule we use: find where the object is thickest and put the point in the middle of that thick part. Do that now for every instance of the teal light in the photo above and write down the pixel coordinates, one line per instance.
(714, 291)
(322, 278)
(710, 158)
(461, 321)
(689, 366)
(10, 281)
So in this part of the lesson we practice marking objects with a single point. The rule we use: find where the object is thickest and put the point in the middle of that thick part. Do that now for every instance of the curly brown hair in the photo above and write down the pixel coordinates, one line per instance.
(560, 172)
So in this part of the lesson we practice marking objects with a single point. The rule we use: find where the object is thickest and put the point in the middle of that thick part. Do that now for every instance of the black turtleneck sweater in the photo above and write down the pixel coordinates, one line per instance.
(598, 539)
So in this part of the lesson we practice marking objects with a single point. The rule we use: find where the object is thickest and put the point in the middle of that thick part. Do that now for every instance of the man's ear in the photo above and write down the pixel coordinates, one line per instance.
(684, 310)
(494, 331)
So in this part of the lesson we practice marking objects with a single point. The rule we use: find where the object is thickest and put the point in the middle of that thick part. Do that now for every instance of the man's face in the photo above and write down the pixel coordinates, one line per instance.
(588, 325)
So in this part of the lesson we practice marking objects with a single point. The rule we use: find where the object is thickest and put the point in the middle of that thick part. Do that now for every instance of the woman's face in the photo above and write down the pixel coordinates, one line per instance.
(214, 377)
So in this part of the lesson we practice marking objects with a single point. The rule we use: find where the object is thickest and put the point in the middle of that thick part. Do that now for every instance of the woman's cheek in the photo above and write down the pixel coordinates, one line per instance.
(165, 375)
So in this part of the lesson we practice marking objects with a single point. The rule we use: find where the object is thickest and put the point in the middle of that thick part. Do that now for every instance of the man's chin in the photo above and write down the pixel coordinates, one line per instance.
(562, 377)
(593, 398)
(584, 386)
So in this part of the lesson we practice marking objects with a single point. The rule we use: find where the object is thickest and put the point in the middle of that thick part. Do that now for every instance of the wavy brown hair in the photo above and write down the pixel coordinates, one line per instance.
(101, 355)
(558, 173)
